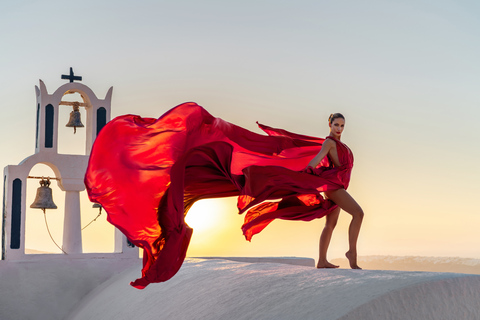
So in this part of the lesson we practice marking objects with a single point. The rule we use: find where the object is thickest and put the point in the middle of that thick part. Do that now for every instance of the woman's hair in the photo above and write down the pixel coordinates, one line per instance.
(334, 116)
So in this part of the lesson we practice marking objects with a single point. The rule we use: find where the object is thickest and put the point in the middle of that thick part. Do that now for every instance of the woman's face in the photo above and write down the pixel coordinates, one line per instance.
(336, 127)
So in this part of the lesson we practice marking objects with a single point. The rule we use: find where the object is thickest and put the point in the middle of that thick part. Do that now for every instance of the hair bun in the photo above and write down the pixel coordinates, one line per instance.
(334, 116)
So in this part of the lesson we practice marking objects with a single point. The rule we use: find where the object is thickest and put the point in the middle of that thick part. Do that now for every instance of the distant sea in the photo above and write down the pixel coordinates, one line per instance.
(416, 263)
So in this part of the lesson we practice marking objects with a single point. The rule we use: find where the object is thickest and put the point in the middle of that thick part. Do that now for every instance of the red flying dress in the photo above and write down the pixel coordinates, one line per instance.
(147, 173)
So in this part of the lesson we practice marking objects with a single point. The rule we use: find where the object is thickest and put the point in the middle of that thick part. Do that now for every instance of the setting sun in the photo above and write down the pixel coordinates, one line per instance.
(204, 215)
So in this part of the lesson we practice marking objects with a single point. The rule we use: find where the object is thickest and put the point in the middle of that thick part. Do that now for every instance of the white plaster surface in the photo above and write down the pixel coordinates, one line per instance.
(82, 289)
(49, 289)
(307, 262)
(222, 289)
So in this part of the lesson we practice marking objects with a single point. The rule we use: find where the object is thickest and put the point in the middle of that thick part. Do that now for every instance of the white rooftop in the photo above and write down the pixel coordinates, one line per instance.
(226, 289)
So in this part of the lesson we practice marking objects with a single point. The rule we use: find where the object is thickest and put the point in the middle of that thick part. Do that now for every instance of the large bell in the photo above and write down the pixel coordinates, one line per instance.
(44, 199)
(75, 120)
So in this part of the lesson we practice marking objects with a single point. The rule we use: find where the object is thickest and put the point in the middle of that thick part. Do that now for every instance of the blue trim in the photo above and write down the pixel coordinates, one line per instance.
(49, 119)
(38, 126)
(4, 222)
(101, 118)
(16, 214)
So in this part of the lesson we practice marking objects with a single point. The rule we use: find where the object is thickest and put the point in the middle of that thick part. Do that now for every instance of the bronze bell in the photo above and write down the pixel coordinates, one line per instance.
(75, 120)
(44, 199)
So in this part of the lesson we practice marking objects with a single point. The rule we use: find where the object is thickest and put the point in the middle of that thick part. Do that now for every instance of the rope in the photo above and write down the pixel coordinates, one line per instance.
(45, 216)
(99, 213)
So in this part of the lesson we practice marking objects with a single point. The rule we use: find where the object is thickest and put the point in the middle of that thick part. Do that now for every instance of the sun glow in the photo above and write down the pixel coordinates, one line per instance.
(204, 215)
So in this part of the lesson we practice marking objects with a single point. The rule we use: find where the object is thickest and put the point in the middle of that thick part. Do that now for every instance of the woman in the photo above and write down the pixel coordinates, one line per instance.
(336, 122)
(147, 173)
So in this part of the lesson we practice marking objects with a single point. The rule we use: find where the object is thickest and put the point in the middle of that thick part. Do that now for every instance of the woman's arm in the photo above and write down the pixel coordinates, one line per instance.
(327, 145)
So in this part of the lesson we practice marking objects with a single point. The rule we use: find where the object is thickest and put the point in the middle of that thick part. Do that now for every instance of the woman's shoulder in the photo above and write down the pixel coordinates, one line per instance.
(329, 142)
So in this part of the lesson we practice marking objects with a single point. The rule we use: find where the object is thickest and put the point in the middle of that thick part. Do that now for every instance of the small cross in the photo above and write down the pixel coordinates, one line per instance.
(71, 77)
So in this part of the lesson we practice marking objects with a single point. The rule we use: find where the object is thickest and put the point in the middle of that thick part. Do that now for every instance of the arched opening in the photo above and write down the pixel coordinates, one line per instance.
(98, 235)
(37, 238)
(68, 141)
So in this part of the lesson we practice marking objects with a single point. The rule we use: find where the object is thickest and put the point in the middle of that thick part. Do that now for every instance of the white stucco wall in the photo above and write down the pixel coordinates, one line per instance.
(85, 289)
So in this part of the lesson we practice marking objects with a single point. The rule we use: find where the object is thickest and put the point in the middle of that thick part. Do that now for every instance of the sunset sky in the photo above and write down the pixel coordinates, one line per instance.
(405, 74)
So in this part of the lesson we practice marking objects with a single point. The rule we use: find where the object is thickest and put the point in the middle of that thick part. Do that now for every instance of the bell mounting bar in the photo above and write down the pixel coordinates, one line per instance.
(33, 177)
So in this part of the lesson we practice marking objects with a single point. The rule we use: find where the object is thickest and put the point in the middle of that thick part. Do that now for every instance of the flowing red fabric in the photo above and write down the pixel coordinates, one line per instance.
(147, 173)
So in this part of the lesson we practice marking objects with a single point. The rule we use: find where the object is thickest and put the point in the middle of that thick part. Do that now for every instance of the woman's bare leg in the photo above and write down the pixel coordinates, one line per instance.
(348, 204)
(331, 222)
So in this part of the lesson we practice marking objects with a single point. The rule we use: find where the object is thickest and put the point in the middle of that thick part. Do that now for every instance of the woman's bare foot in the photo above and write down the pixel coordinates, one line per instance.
(352, 259)
(325, 264)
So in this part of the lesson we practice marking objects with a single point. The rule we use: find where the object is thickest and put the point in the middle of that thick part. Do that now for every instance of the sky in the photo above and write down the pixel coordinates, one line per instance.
(404, 73)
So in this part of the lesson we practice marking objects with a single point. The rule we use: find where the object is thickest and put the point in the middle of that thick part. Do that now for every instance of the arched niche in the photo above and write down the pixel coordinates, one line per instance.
(68, 141)
(98, 236)
(37, 238)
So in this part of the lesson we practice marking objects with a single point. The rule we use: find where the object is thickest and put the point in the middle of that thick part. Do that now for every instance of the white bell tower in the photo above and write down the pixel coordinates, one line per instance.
(69, 170)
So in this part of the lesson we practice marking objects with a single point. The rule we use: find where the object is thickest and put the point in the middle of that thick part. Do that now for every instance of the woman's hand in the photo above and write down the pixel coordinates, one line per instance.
(315, 171)
(308, 169)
